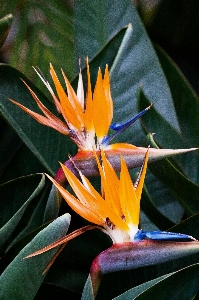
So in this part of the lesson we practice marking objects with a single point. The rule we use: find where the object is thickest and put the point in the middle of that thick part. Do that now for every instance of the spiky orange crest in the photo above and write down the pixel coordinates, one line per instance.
(118, 208)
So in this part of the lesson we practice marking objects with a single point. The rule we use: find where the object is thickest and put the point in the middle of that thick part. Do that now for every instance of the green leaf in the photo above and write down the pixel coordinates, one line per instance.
(186, 101)
(74, 261)
(136, 291)
(33, 218)
(5, 24)
(53, 205)
(171, 286)
(51, 27)
(135, 64)
(188, 191)
(41, 140)
(87, 293)
(168, 137)
(155, 208)
(23, 277)
(106, 55)
(10, 142)
(152, 212)
(14, 203)
(188, 226)
(23, 161)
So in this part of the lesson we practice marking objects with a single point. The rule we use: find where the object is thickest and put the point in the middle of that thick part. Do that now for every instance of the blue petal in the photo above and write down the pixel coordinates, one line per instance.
(118, 128)
(165, 235)
(161, 236)
(139, 235)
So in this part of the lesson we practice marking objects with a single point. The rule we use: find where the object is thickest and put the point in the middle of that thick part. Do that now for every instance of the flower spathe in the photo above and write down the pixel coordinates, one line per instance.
(86, 120)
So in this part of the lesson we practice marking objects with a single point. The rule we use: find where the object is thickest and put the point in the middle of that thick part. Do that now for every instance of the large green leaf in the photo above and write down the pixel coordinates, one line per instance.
(106, 55)
(48, 145)
(168, 137)
(186, 101)
(135, 64)
(158, 205)
(33, 218)
(181, 173)
(188, 226)
(14, 202)
(87, 293)
(10, 142)
(187, 194)
(183, 284)
(136, 291)
(152, 212)
(23, 277)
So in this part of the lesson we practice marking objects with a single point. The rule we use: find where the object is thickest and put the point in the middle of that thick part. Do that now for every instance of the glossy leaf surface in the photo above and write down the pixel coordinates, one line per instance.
(25, 275)
(171, 286)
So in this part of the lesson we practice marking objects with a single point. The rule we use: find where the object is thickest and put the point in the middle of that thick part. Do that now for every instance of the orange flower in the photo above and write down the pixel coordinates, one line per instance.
(86, 120)
(117, 210)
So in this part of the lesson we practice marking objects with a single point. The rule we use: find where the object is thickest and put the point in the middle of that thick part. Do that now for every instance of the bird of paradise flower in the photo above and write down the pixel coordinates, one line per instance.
(116, 211)
(86, 120)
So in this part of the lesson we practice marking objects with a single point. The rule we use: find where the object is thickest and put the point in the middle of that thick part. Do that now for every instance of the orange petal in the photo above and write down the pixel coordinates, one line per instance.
(68, 111)
(107, 210)
(121, 146)
(106, 186)
(112, 182)
(50, 120)
(129, 203)
(141, 177)
(88, 115)
(107, 91)
(73, 99)
(89, 196)
(101, 109)
(80, 208)
(46, 83)
(93, 201)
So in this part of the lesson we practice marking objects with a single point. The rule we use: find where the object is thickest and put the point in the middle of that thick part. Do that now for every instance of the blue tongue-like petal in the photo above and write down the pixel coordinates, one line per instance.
(162, 236)
(118, 128)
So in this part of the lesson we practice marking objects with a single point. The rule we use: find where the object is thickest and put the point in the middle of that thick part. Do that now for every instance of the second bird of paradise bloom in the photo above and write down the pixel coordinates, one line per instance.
(116, 211)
